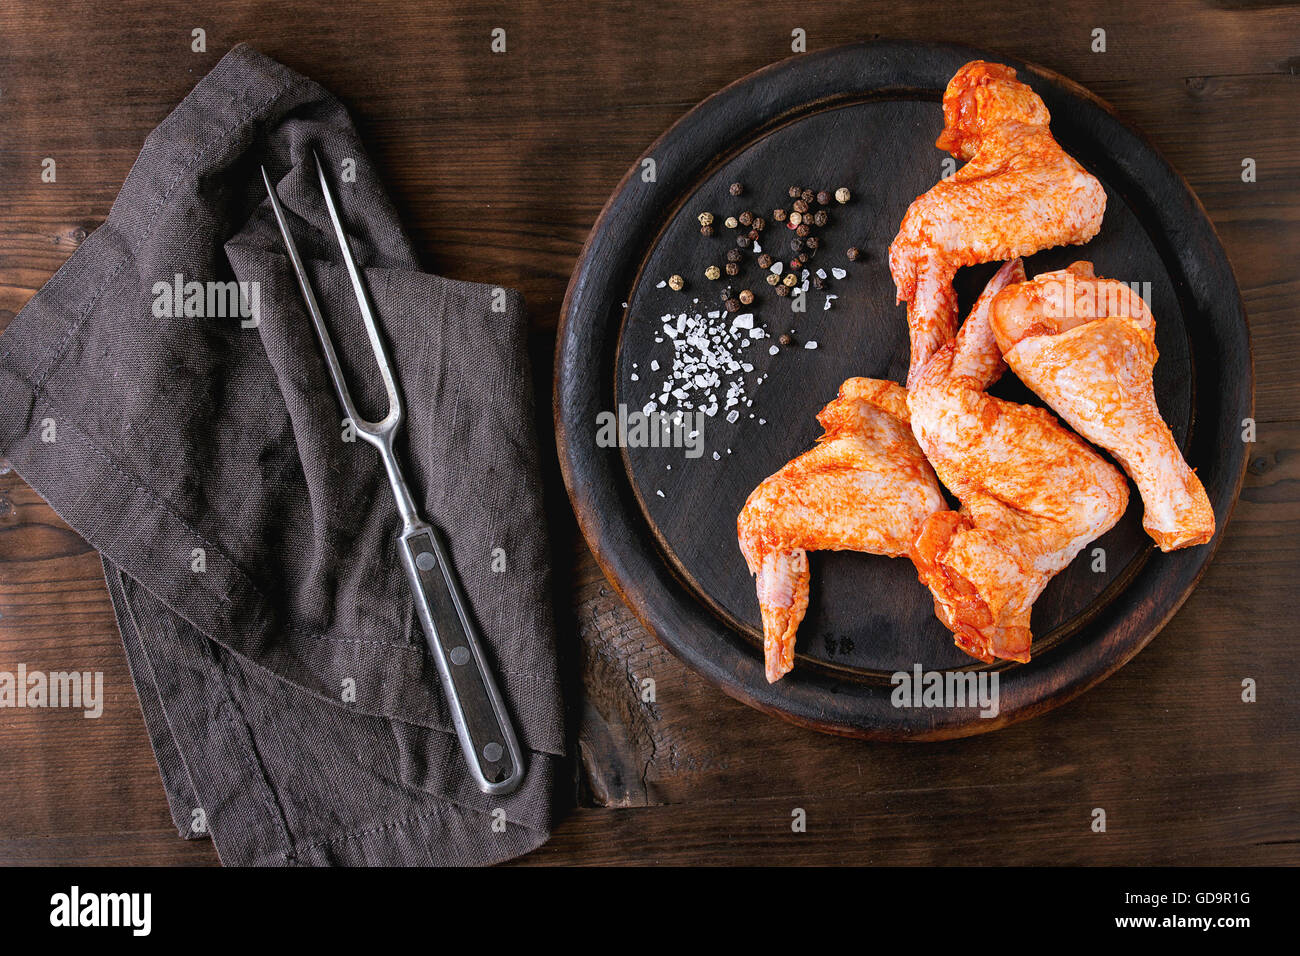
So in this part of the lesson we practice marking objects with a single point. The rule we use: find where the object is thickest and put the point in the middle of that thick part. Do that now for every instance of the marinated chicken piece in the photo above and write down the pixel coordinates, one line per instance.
(1086, 346)
(1018, 193)
(865, 487)
(1033, 493)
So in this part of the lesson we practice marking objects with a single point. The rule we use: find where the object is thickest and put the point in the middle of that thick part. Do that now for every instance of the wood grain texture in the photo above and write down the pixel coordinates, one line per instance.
(499, 165)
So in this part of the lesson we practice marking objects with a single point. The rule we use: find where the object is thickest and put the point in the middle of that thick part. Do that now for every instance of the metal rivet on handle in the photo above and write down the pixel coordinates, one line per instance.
(460, 655)
(492, 752)
(425, 561)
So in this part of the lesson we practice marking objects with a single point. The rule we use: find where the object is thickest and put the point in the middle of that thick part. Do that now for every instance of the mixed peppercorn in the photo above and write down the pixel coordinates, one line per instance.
(802, 215)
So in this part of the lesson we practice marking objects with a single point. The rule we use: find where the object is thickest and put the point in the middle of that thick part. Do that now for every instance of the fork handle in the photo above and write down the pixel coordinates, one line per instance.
(486, 735)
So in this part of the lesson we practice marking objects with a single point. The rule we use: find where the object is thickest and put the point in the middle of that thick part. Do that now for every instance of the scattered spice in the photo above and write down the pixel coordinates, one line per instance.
(793, 192)
(786, 339)
(773, 278)
(778, 215)
(800, 206)
(732, 305)
(733, 268)
(796, 244)
(802, 230)
(746, 297)
(764, 261)
(705, 218)
(782, 291)
(746, 218)
(706, 231)
(676, 283)
(759, 223)
(823, 198)
(795, 220)
(743, 241)
(730, 222)
(808, 196)
(813, 242)
(842, 195)
(736, 189)
(820, 218)
(734, 255)
(790, 279)
(713, 272)
(853, 253)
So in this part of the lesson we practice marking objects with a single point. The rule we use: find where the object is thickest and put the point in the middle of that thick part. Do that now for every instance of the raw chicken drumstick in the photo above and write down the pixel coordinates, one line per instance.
(1032, 492)
(865, 487)
(1019, 192)
(1086, 346)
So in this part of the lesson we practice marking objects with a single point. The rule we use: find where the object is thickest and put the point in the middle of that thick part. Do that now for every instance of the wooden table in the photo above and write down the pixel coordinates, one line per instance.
(499, 164)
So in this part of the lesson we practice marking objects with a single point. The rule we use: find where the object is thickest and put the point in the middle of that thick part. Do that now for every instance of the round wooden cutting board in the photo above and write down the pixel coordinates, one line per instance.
(662, 520)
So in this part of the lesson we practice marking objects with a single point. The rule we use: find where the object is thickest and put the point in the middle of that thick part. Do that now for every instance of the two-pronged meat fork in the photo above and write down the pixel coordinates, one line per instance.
(482, 724)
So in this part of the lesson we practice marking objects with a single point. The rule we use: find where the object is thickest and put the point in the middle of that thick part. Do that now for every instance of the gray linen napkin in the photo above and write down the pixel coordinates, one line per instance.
(247, 545)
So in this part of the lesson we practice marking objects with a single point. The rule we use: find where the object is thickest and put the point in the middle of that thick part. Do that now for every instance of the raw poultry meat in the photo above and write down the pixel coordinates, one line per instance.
(865, 487)
(1086, 346)
(1019, 192)
(1033, 493)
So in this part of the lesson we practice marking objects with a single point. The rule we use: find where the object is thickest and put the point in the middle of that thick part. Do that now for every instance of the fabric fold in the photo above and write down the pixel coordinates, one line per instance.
(248, 543)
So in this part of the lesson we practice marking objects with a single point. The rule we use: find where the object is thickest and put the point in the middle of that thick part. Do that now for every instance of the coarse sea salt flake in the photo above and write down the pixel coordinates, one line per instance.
(812, 344)
(838, 273)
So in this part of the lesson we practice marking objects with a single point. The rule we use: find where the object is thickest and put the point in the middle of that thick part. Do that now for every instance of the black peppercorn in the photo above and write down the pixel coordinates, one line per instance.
(808, 196)
(734, 255)
(800, 206)
(813, 242)
(764, 261)
(778, 215)
(733, 268)
(823, 198)
(736, 189)
(743, 241)
(706, 231)
(820, 218)
(746, 218)
(853, 253)
(733, 305)
(782, 291)
(802, 230)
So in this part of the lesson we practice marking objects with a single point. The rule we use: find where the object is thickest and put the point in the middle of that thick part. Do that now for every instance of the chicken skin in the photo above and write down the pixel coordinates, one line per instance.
(1033, 493)
(865, 487)
(1019, 192)
(1086, 346)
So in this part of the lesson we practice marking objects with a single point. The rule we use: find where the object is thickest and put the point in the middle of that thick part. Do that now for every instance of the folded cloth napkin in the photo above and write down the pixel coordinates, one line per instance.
(249, 546)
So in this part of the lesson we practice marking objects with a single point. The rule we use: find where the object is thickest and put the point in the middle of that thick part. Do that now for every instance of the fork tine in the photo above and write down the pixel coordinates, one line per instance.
(363, 299)
(313, 308)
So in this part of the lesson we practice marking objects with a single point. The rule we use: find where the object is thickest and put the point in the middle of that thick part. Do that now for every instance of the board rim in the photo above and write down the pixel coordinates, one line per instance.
(645, 581)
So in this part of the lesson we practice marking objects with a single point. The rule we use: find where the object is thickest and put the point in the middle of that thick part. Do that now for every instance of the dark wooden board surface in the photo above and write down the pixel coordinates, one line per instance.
(866, 114)
(499, 166)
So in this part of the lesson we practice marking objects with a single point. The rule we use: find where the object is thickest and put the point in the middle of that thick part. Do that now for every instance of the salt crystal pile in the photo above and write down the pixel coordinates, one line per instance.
(708, 370)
